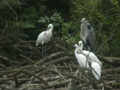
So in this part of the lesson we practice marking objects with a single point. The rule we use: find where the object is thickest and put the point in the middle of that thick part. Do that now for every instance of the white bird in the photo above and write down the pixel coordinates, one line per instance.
(45, 36)
(87, 34)
(88, 60)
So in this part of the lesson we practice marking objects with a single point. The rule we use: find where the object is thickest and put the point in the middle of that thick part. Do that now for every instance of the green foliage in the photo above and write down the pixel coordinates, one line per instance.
(55, 18)
(33, 16)
(104, 16)
(71, 32)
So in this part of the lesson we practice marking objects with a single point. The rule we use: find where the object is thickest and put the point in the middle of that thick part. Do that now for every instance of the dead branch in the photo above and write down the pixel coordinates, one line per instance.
(59, 60)
(49, 57)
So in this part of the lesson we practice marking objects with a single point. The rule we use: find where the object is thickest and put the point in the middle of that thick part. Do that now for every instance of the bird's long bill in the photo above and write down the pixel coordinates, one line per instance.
(75, 46)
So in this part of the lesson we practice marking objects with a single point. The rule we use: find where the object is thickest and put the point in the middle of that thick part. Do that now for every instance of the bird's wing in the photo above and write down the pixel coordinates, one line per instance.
(82, 60)
(94, 58)
(89, 26)
(96, 70)
(83, 32)
(40, 38)
(91, 35)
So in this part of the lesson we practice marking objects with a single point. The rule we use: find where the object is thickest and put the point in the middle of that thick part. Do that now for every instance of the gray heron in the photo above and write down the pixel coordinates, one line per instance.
(87, 34)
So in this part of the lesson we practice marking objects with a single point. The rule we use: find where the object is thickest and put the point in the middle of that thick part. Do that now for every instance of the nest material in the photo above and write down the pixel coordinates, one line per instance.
(22, 67)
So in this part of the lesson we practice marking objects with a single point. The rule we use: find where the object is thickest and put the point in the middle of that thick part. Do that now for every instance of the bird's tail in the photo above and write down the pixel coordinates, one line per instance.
(96, 70)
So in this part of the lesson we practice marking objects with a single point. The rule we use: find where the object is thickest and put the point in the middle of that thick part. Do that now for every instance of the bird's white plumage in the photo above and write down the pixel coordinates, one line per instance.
(91, 55)
(80, 58)
(87, 33)
(88, 60)
(45, 36)
(96, 70)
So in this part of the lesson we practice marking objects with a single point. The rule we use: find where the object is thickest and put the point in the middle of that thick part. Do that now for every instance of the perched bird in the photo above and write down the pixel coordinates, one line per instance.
(88, 60)
(80, 57)
(45, 36)
(87, 34)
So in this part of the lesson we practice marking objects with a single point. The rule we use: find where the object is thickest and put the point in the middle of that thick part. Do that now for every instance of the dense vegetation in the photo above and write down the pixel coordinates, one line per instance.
(32, 16)
(23, 20)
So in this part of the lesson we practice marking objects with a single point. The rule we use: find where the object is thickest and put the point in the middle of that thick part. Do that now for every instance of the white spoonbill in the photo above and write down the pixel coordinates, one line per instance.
(88, 60)
(45, 36)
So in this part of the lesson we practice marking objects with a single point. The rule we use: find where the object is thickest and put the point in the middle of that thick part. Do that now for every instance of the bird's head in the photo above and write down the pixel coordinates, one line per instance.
(77, 49)
(80, 43)
(50, 26)
(76, 46)
(83, 19)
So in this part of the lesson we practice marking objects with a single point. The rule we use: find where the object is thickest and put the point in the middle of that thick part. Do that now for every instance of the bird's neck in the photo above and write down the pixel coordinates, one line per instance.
(50, 30)
(81, 47)
(78, 51)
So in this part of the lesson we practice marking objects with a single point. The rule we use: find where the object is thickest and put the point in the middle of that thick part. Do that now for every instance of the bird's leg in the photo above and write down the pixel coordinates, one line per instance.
(45, 50)
(80, 72)
(90, 81)
(42, 50)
